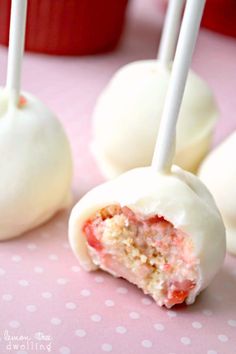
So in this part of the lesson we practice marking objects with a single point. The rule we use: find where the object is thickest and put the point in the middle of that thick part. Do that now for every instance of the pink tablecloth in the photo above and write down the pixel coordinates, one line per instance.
(43, 292)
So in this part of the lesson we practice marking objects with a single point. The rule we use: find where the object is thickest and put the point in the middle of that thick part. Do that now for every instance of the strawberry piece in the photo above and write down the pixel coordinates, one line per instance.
(178, 296)
(22, 101)
(130, 214)
(167, 267)
(88, 229)
(181, 292)
(155, 219)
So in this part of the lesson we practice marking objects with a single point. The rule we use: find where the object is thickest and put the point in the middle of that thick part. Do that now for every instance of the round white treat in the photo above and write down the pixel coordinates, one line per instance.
(35, 165)
(128, 113)
(218, 172)
(180, 197)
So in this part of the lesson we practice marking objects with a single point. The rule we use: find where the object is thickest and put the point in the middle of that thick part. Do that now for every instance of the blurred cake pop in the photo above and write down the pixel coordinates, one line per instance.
(127, 114)
(35, 163)
(218, 172)
(158, 227)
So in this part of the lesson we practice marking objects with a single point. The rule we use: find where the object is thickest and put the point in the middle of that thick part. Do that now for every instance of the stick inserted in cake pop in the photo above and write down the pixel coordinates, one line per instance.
(170, 31)
(165, 145)
(37, 181)
(16, 47)
(160, 231)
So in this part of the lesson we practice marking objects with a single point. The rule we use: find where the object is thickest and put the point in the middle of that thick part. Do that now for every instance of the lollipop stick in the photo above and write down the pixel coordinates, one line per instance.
(165, 145)
(16, 47)
(170, 31)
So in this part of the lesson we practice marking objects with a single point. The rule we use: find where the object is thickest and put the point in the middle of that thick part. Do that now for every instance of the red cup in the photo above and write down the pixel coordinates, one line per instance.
(68, 27)
(220, 16)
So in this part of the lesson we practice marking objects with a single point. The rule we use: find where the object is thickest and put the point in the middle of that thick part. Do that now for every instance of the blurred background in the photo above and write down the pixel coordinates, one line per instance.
(86, 41)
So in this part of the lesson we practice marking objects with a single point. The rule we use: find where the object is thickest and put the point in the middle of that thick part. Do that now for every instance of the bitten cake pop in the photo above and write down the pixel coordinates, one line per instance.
(35, 162)
(127, 113)
(218, 172)
(158, 227)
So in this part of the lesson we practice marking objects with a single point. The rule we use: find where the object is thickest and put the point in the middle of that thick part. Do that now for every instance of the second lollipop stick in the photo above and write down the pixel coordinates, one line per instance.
(165, 145)
(16, 47)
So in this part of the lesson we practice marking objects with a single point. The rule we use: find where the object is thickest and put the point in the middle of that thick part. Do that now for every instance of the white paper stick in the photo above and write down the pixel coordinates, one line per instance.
(165, 145)
(170, 31)
(16, 47)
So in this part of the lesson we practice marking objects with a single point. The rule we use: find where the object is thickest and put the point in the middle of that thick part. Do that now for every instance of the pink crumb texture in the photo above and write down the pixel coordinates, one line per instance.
(42, 287)
(147, 251)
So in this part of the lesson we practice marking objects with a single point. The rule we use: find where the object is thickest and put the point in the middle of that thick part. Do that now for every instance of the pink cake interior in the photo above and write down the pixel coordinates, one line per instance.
(147, 251)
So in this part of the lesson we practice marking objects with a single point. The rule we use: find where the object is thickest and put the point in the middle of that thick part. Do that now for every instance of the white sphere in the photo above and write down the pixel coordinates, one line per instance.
(218, 172)
(35, 165)
(128, 113)
(180, 197)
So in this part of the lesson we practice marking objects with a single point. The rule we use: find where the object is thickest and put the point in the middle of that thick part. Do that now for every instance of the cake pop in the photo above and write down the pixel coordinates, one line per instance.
(127, 114)
(218, 172)
(158, 227)
(35, 163)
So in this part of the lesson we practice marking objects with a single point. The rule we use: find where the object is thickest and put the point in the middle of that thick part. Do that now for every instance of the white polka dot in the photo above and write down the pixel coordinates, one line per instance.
(16, 258)
(185, 340)
(75, 269)
(53, 257)
(80, 333)
(31, 308)
(62, 281)
(71, 305)
(23, 282)
(38, 270)
(2, 271)
(196, 325)
(121, 330)
(223, 338)
(211, 351)
(96, 318)
(31, 246)
(146, 343)
(14, 324)
(159, 326)
(46, 295)
(85, 292)
(134, 315)
(7, 297)
(146, 301)
(207, 312)
(65, 350)
(232, 323)
(171, 313)
(109, 303)
(99, 279)
(122, 290)
(55, 321)
(107, 347)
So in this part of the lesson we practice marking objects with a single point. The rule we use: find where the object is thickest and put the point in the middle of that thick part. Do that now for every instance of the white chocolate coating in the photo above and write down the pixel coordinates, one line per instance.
(218, 172)
(180, 197)
(127, 116)
(35, 165)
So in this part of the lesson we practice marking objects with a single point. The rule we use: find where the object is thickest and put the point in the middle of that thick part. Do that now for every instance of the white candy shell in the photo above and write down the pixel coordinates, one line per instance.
(35, 165)
(180, 197)
(128, 112)
(218, 172)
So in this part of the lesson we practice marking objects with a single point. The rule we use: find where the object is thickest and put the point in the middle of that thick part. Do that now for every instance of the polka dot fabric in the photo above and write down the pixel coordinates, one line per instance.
(98, 313)
(44, 294)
